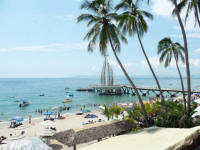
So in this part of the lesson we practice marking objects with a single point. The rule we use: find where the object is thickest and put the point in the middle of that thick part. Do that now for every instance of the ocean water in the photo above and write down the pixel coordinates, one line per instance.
(54, 90)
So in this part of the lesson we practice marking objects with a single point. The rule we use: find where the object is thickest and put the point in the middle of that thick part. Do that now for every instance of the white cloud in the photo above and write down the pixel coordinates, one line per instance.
(48, 48)
(162, 7)
(194, 62)
(94, 68)
(190, 35)
(165, 7)
(114, 64)
(128, 65)
(197, 50)
(194, 35)
(157, 65)
(153, 60)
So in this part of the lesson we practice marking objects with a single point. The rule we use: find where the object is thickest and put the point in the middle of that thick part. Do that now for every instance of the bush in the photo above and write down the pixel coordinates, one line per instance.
(168, 114)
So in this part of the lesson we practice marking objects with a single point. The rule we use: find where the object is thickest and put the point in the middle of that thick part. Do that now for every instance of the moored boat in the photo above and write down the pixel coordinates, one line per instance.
(24, 103)
(67, 101)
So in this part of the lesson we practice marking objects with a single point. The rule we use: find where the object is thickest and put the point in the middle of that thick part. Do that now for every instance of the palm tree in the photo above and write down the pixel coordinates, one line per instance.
(133, 21)
(107, 112)
(168, 50)
(106, 32)
(186, 55)
(192, 5)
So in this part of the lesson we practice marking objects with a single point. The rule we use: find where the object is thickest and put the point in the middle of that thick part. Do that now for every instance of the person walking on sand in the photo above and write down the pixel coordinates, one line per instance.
(29, 119)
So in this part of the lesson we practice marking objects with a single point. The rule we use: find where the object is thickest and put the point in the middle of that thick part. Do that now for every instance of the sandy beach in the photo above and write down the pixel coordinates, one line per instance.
(71, 121)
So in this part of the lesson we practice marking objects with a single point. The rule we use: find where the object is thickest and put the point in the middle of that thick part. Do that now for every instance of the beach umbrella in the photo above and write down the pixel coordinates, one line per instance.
(48, 123)
(18, 119)
(48, 113)
(33, 143)
(46, 133)
(197, 109)
(197, 101)
(91, 116)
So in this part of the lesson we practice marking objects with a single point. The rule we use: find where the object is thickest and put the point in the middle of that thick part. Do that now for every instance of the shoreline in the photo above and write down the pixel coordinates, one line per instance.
(72, 121)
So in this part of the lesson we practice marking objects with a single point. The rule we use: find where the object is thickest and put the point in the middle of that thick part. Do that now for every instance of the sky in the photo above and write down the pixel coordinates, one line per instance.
(41, 38)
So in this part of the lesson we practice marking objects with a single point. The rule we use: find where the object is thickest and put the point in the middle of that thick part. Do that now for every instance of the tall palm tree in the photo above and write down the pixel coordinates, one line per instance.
(192, 5)
(168, 50)
(186, 55)
(133, 21)
(104, 32)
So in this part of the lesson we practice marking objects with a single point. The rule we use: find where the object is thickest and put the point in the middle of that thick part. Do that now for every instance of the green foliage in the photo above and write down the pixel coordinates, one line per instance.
(103, 29)
(107, 112)
(136, 113)
(136, 130)
(168, 50)
(192, 6)
(169, 114)
(113, 111)
(133, 18)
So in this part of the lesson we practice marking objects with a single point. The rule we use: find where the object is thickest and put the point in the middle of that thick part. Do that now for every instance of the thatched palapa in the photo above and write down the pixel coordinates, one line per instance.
(72, 138)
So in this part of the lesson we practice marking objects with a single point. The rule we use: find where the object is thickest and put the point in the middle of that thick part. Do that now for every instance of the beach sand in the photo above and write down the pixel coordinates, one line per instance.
(71, 121)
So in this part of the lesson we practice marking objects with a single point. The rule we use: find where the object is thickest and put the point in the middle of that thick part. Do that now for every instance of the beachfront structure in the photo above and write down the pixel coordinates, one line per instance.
(97, 132)
(107, 74)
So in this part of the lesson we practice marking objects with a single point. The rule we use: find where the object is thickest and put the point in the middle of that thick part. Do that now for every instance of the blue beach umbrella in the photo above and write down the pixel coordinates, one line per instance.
(91, 116)
(48, 113)
(18, 119)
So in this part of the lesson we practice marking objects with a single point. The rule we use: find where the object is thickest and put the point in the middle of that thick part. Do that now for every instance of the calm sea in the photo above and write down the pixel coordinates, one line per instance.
(55, 93)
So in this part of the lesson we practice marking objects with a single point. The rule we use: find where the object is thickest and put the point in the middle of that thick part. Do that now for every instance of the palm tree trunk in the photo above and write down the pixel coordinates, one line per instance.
(197, 15)
(181, 79)
(130, 81)
(154, 75)
(186, 57)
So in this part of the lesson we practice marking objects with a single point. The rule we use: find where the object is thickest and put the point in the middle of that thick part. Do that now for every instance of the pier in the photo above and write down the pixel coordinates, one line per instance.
(127, 89)
(107, 86)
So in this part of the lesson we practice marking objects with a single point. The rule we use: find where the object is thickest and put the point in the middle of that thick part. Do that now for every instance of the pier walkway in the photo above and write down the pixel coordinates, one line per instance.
(127, 89)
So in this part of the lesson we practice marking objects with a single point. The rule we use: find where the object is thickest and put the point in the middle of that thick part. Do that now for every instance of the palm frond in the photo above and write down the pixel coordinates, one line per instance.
(123, 5)
(147, 15)
(181, 6)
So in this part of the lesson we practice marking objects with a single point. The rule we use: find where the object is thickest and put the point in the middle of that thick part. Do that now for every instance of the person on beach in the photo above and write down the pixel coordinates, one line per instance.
(29, 119)
(58, 115)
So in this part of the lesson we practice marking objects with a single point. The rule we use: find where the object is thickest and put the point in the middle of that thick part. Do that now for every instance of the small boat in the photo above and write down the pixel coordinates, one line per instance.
(67, 101)
(24, 103)
(41, 94)
(71, 94)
